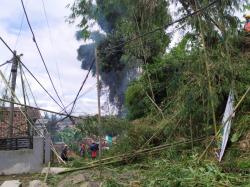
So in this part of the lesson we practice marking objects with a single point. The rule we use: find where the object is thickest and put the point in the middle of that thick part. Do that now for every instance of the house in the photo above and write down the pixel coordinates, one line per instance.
(24, 152)
(20, 123)
(67, 123)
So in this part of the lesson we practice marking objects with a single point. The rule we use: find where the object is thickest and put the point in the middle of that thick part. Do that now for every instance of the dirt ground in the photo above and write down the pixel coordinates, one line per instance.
(92, 178)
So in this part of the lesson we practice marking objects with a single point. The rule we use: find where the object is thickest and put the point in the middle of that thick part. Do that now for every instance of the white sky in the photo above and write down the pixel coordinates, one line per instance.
(59, 50)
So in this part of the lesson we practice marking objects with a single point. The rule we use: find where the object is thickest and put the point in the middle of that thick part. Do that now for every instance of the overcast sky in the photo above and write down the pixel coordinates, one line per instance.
(58, 46)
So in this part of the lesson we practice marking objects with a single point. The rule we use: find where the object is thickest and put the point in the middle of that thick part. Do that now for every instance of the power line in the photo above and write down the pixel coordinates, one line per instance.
(19, 33)
(84, 81)
(148, 41)
(37, 108)
(124, 43)
(30, 72)
(40, 54)
(22, 72)
(164, 26)
(33, 76)
(93, 86)
(52, 44)
(23, 112)
(7, 62)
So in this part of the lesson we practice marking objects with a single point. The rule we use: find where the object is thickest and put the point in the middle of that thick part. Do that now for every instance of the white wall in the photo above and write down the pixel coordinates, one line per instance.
(23, 160)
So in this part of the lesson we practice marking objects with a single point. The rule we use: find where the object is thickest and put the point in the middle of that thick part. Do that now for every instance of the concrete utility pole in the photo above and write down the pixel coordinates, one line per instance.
(13, 88)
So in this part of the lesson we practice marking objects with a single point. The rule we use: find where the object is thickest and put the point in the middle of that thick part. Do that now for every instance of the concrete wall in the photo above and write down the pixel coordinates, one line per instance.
(47, 150)
(24, 160)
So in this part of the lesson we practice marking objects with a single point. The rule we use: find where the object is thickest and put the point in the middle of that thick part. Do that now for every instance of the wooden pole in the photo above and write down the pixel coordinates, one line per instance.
(98, 104)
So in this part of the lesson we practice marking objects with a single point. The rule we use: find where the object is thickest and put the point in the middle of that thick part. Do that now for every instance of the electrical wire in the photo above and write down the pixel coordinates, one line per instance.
(137, 46)
(84, 93)
(7, 62)
(26, 116)
(33, 76)
(83, 83)
(24, 75)
(164, 26)
(52, 45)
(153, 31)
(41, 56)
(124, 43)
(20, 30)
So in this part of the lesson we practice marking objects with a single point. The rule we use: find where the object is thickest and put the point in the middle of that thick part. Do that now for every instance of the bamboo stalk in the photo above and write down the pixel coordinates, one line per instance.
(207, 71)
(157, 132)
(145, 60)
(160, 110)
(126, 157)
(47, 173)
(191, 131)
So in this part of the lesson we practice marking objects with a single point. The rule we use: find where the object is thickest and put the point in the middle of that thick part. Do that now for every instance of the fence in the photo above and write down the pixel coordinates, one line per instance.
(16, 143)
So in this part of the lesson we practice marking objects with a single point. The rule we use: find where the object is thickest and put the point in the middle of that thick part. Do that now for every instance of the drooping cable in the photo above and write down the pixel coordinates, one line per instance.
(52, 45)
(164, 26)
(41, 56)
(83, 83)
(84, 93)
(33, 76)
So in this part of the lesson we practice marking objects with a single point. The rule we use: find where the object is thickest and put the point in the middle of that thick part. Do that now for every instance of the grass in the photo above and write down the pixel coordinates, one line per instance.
(175, 167)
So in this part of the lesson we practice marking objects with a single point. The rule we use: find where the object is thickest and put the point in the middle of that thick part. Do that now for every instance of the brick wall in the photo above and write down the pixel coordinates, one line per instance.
(20, 124)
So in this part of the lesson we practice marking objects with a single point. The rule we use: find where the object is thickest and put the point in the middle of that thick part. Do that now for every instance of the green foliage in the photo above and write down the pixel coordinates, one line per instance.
(111, 183)
(136, 94)
(188, 173)
(76, 163)
(137, 135)
(109, 126)
(70, 136)
(176, 168)
(181, 89)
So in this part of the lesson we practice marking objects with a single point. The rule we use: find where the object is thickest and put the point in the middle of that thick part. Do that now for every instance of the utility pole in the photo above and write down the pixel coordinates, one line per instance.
(99, 103)
(13, 88)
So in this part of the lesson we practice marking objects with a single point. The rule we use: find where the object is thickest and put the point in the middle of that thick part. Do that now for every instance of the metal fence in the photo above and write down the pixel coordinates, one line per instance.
(16, 143)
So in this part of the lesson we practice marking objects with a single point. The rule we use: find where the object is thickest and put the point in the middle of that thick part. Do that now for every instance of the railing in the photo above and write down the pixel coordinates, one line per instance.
(16, 143)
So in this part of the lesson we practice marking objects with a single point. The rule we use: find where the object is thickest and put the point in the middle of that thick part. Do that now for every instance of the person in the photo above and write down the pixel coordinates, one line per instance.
(94, 148)
(82, 150)
(247, 24)
(64, 154)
